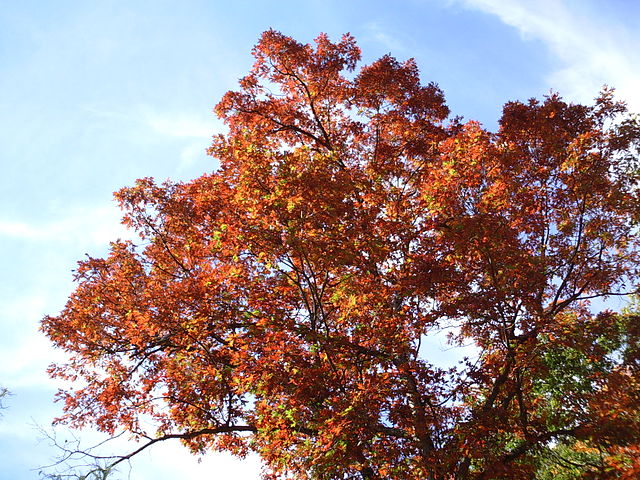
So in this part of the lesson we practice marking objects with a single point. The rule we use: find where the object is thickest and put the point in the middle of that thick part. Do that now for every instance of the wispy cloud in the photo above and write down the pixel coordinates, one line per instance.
(181, 125)
(591, 50)
(189, 132)
(191, 154)
(193, 131)
(94, 225)
(47, 251)
(377, 33)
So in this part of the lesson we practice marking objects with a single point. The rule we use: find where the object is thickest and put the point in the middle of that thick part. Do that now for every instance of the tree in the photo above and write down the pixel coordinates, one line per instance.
(279, 304)
(95, 472)
(3, 393)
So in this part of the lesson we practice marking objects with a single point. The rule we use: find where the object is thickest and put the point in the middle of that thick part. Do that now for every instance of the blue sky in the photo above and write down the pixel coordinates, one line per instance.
(96, 94)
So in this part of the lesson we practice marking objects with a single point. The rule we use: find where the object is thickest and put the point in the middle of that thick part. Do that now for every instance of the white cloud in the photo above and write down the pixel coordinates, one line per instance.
(24, 353)
(187, 133)
(172, 460)
(15, 229)
(174, 124)
(181, 125)
(378, 34)
(592, 50)
(93, 225)
(45, 254)
(191, 154)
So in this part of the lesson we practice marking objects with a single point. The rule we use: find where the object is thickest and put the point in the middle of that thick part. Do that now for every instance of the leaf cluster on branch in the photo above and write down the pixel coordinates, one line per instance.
(280, 304)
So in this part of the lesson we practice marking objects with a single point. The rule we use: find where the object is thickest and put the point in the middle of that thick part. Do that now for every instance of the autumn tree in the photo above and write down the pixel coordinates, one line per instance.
(282, 304)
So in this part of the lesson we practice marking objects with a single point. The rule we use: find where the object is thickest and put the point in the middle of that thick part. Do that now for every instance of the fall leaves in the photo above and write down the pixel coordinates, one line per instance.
(279, 304)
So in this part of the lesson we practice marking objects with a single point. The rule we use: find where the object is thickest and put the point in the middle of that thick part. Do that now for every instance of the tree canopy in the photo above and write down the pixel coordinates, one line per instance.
(283, 303)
